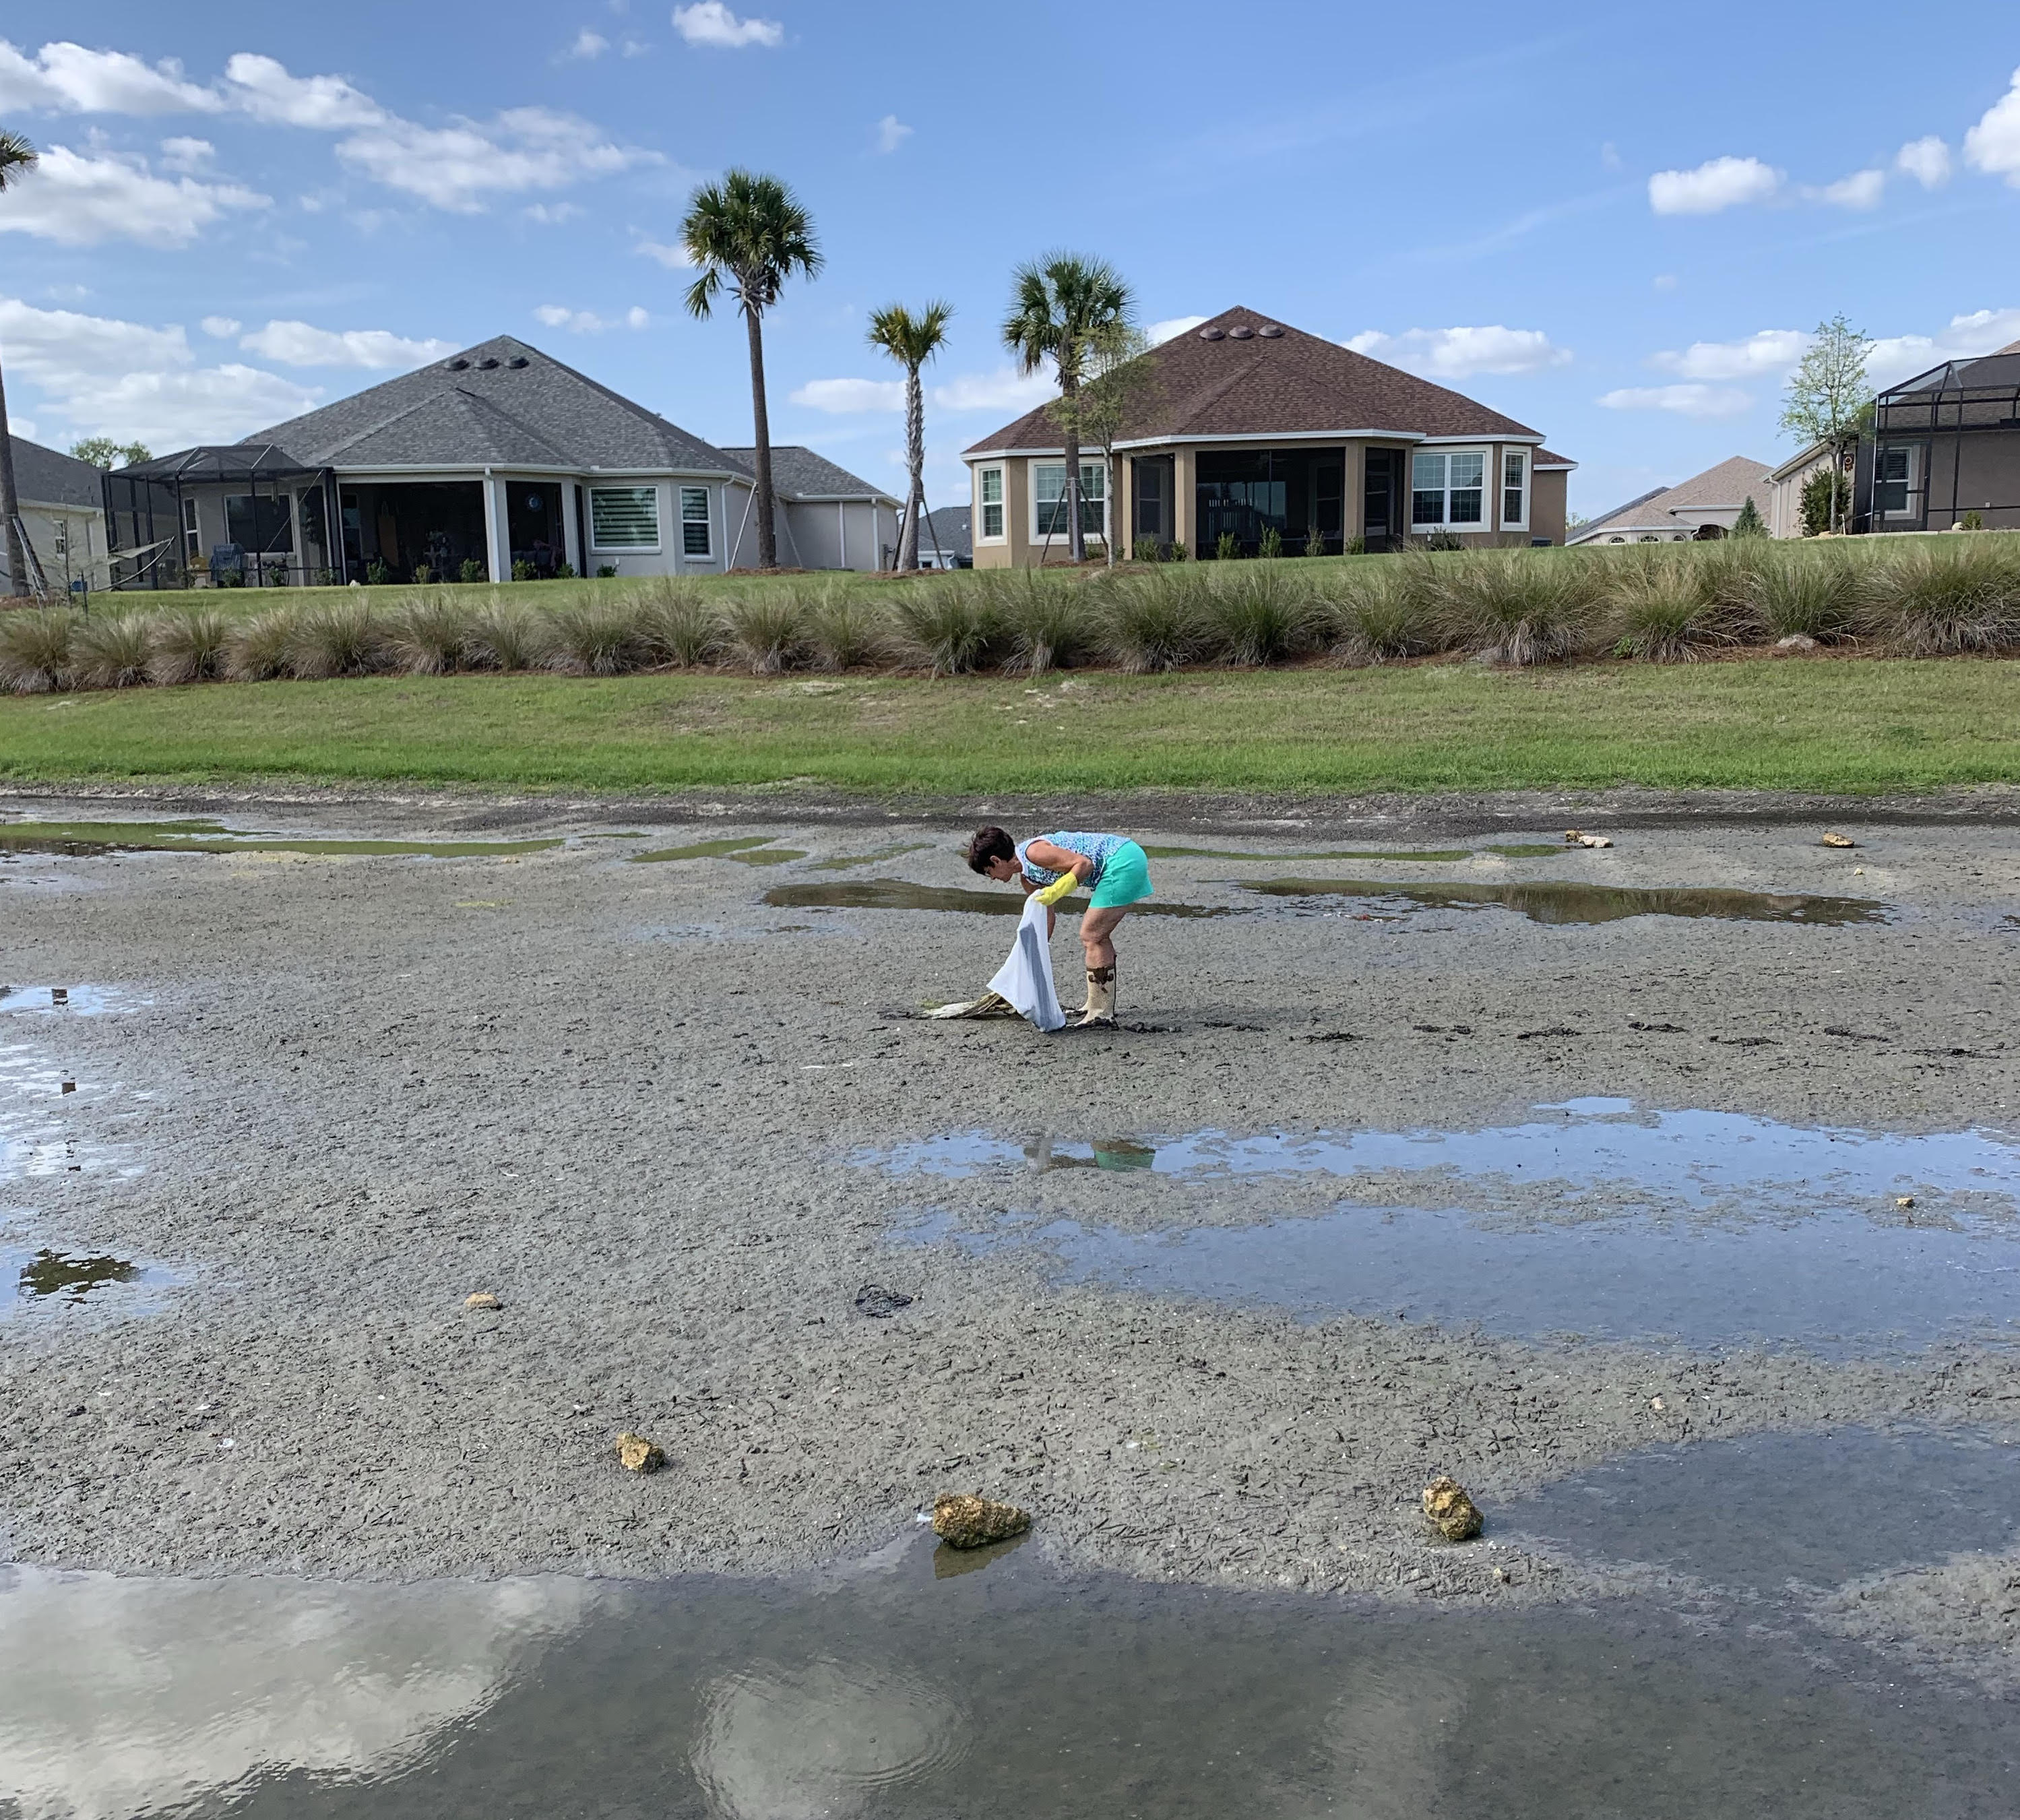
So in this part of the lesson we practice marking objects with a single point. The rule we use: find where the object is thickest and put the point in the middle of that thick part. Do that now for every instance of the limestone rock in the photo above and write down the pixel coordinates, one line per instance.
(482, 1299)
(1450, 1511)
(637, 1455)
(1796, 641)
(1838, 840)
(962, 1519)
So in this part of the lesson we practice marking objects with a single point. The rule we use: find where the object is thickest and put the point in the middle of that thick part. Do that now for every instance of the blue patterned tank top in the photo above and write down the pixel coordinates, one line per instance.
(1098, 847)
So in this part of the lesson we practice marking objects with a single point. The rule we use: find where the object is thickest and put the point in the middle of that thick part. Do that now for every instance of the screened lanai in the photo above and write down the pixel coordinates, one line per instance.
(224, 515)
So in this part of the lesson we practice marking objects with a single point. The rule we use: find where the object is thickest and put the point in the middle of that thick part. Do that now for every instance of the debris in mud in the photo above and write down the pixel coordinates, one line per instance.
(637, 1454)
(879, 1303)
(1838, 840)
(1450, 1511)
(482, 1299)
(964, 1519)
(1554, 1030)
(1336, 1036)
(1904, 1201)
(991, 1004)
(1656, 1030)
(1852, 1036)
(1573, 838)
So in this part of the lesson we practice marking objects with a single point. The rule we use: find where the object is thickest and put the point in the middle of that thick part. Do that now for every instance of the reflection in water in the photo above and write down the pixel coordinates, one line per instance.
(125, 1697)
(1121, 1153)
(57, 1274)
(1554, 902)
(896, 893)
(79, 1001)
(819, 1740)
(88, 840)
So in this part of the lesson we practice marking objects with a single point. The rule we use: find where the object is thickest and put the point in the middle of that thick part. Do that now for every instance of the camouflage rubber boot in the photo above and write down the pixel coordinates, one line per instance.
(1099, 1010)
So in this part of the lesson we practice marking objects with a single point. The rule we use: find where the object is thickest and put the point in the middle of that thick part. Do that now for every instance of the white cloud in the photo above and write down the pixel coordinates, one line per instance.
(1993, 144)
(376, 350)
(221, 328)
(844, 397)
(1861, 189)
(457, 167)
(1771, 352)
(1898, 357)
(24, 427)
(79, 200)
(1927, 161)
(1686, 400)
(674, 258)
(189, 156)
(587, 321)
(1666, 281)
(891, 132)
(1722, 183)
(262, 88)
(1459, 353)
(104, 376)
(1161, 332)
(709, 22)
(1006, 388)
(588, 46)
(66, 78)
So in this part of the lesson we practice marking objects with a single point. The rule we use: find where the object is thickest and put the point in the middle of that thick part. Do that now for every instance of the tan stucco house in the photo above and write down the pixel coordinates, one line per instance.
(1245, 425)
(1703, 508)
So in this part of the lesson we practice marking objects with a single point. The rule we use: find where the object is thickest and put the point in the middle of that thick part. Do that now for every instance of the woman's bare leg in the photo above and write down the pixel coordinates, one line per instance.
(1097, 931)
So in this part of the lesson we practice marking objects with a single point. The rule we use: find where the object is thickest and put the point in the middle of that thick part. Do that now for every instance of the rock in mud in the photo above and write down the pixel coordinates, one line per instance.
(1838, 840)
(962, 1519)
(637, 1455)
(482, 1299)
(1450, 1511)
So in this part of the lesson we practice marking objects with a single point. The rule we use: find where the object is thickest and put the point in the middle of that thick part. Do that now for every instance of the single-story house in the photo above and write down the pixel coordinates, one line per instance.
(1943, 443)
(499, 456)
(828, 518)
(1245, 425)
(946, 538)
(1785, 484)
(63, 517)
(1702, 507)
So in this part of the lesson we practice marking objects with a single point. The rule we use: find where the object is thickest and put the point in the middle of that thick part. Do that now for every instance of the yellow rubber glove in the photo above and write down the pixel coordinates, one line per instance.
(1060, 887)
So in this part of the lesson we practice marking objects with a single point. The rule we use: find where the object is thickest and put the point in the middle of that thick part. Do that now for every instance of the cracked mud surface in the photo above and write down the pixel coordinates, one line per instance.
(624, 1097)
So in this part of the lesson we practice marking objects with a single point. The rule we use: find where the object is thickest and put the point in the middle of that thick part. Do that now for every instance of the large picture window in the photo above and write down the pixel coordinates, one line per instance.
(1514, 488)
(992, 502)
(1048, 489)
(1448, 489)
(624, 517)
(694, 520)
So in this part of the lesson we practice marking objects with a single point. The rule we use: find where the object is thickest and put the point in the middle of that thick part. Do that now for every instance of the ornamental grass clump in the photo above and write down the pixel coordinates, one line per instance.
(337, 638)
(188, 646)
(766, 632)
(262, 647)
(1519, 606)
(111, 651)
(597, 638)
(506, 637)
(678, 627)
(1801, 593)
(1153, 621)
(1046, 624)
(846, 628)
(1260, 615)
(1383, 611)
(949, 626)
(1664, 609)
(35, 650)
(1933, 600)
(429, 635)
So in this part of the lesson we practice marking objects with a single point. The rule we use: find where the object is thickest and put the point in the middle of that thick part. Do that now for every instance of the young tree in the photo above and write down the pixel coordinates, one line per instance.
(17, 159)
(1063, 308)
(1112, 391)
(1825, 495)
(750, 235)
(1750, 523)
(1827, 395)
(912, 341)
(103, 451)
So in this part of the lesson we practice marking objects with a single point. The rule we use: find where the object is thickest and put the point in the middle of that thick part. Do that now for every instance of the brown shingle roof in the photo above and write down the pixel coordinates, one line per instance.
(1726, 486)
(1280, 385)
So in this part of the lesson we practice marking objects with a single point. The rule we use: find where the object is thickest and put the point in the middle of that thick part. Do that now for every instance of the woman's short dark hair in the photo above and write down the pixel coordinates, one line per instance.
(987, 844)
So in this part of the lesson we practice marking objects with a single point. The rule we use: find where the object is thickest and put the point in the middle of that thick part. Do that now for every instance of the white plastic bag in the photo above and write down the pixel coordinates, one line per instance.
(1026, 978)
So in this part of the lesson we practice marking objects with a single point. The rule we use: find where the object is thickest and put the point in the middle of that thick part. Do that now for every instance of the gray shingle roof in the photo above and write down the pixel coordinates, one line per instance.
(799, 474)
(43, 477)
(1726, 486)
(502, 401)
(950, 529)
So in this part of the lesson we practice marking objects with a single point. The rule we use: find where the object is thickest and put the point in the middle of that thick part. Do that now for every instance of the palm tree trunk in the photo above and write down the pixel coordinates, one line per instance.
(10, 506)
(915, 462)
(760, 435)
(1076, 543)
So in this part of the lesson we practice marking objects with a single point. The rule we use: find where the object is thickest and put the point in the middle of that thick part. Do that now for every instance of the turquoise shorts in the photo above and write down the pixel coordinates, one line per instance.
(1124, 879)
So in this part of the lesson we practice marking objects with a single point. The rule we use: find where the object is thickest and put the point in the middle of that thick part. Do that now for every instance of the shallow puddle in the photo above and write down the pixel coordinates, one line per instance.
(37, 1133)
(44, 1278)
(89, 840)
(1557, 902)
(897, 894)
(1440, 855)
(886, 1690)
(77, 1000)
(756, 851)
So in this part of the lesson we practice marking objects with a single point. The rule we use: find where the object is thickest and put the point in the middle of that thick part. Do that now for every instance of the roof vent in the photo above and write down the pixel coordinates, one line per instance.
(1241, 331)
(489, 361)
(1212, 334)
(520, 360)
(1271, 332)
(457, 364)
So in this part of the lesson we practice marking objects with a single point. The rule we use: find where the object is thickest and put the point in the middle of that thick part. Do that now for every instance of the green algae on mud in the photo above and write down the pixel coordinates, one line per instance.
(1440, 855)
(87, 840)
(1558, 901)
(749, 851)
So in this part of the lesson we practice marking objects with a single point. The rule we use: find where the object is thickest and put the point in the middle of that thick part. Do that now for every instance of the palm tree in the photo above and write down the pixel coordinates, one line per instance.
(912, 341)
(17, 159)
(1065, 309)
(750, 234)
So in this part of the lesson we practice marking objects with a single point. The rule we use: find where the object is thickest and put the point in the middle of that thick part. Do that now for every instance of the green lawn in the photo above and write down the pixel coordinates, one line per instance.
(1845, 725)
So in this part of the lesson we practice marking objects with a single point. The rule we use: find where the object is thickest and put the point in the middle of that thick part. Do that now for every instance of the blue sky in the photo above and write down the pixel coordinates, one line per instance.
(1614, 223)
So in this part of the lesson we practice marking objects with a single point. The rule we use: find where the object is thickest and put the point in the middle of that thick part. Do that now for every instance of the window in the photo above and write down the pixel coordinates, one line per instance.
(192, 540)
(1894, 481)
(624, 517)
(1048, 487)
(1447, 489)
(992, 502)
(1514, 492)
(694, 520)
(259, 522)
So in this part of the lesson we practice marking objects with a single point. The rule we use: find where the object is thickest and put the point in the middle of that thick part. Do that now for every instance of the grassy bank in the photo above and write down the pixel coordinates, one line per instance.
(1843, 724)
